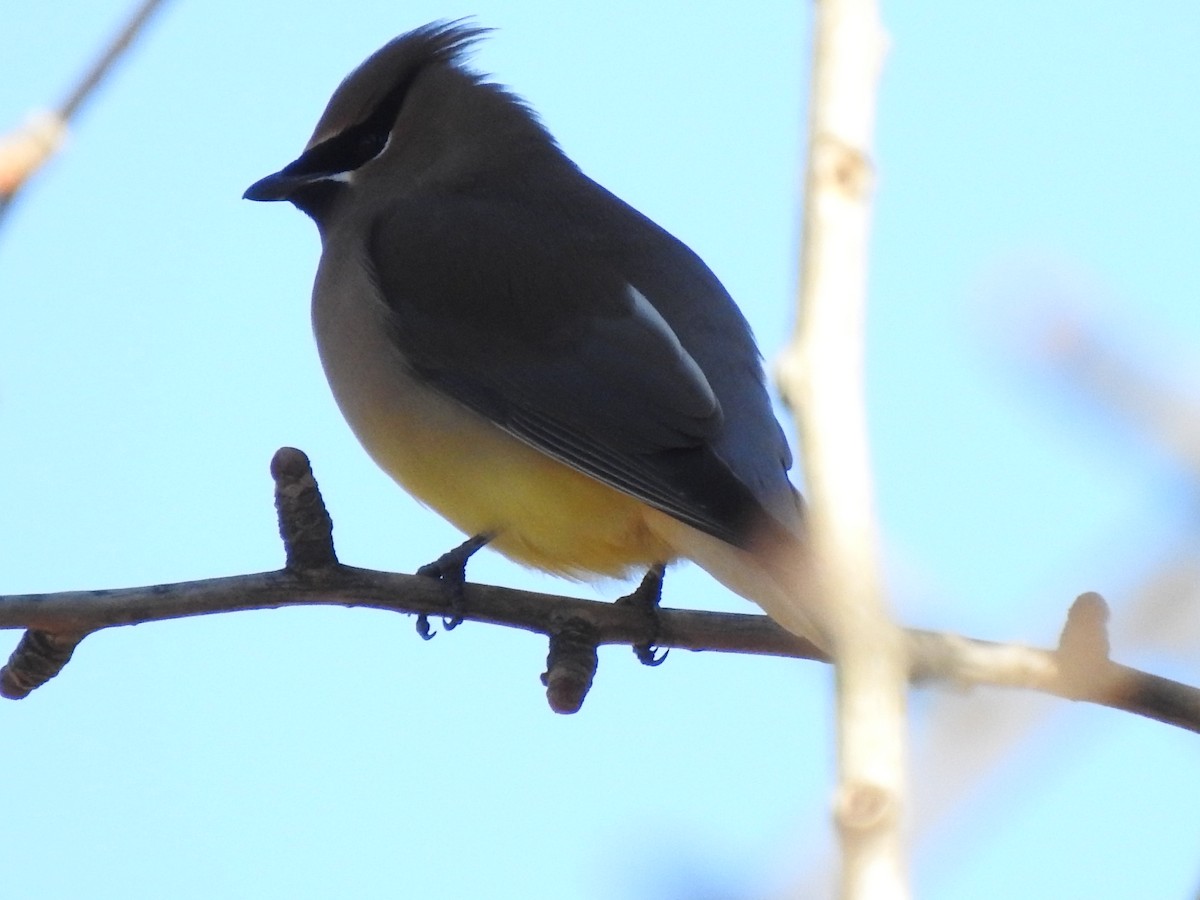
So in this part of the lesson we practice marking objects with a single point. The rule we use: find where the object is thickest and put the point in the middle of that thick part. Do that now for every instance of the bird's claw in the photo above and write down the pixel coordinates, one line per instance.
(423, 628)
(451, 570)
(646, 597)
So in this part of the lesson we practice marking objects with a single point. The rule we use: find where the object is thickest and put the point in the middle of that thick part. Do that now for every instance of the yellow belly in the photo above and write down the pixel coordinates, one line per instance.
(542, 513)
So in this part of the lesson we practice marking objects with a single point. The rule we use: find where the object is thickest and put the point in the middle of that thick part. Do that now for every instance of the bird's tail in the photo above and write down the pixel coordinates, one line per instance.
(775, 571)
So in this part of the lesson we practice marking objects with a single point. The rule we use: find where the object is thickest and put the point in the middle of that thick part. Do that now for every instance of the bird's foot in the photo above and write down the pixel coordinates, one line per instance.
(451, 569)
(646, 597)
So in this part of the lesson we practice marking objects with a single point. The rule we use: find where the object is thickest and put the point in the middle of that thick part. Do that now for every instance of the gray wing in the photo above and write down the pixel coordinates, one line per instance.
(544, 335)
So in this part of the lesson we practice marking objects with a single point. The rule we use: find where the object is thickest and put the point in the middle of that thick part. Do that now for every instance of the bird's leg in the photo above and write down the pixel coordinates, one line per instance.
(451, 569)
(646, 597)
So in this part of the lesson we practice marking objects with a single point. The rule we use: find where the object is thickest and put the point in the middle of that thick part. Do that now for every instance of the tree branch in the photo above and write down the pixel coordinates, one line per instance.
(821, 375)
(29, 147)
(313, 577)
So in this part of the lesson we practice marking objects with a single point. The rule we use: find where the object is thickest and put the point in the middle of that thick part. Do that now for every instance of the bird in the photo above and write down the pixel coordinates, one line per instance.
(528, 355)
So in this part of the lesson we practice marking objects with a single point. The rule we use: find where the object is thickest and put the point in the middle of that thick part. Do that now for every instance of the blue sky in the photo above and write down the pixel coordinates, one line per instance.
(1034, 160)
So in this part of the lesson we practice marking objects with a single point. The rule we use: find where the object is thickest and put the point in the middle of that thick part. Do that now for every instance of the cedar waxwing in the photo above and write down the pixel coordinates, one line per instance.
(526, 353)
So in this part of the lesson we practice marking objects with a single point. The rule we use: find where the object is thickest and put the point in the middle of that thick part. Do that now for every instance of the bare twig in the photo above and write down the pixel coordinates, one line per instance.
(64, 618)
(25, 150)
(342, 585)
(821, 376)
(570, 665)
(304, 522)
(39, 657)
(103, 65)
(937, 656)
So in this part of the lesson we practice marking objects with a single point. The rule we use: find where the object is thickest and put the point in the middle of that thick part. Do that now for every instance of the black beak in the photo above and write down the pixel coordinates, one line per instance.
(277, 186)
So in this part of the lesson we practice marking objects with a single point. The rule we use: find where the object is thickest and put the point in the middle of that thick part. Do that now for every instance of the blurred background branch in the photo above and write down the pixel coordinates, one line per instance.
(821, 375)
(30, 146)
